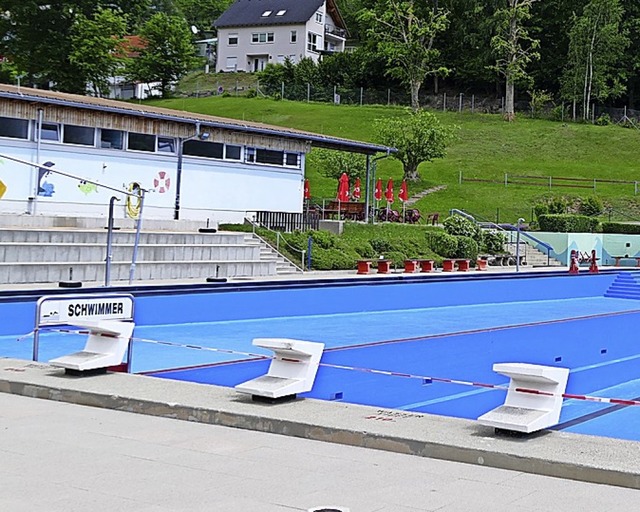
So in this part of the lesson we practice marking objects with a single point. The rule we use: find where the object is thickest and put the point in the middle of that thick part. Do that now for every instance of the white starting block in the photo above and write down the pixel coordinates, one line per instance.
(292, 371)
(529, 412)
(106, 345)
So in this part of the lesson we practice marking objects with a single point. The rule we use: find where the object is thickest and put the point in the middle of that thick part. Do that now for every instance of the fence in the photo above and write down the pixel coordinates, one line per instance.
(288, 222)
(549, 181)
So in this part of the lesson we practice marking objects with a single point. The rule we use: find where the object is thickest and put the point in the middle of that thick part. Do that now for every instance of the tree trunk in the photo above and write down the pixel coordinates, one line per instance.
(415, 90)
(410, 171)
(509, 107)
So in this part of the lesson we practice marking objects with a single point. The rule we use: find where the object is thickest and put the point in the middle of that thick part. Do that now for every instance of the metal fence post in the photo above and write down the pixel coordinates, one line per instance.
(473, 103)
(282, 91)
(361, 91)
(388, 97)
(444, 102)
(460, 104)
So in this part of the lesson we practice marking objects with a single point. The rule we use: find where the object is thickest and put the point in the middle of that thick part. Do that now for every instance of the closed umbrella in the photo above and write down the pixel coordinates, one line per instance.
(343, 190)
(307, 190)
(356, 190)
(388, 194)
(403, 195)
(377, 194)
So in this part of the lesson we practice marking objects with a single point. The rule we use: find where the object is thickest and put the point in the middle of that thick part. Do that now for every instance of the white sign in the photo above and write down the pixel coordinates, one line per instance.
(62, 310)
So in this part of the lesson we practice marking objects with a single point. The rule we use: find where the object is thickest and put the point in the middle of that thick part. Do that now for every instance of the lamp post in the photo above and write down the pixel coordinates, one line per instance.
(518, 226)
(181, 141)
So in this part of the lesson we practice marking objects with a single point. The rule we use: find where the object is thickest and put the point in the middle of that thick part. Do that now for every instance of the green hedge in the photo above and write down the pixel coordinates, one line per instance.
(567, 223)
(618, 227)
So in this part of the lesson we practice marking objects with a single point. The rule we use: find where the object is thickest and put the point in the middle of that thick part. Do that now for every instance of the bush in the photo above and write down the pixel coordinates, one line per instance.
(333, 259)
(442, 243)
(617, 227)
(467, 248)
(566, 223)
(324, 239)
(493, 242)
(460, 226)
(590, 206)
(604, 119)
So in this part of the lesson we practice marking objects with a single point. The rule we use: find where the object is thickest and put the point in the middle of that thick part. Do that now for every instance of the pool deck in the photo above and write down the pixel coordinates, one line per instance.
(407, 443)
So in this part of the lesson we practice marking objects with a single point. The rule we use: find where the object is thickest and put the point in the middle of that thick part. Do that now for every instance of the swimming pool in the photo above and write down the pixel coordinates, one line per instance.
(451, 328)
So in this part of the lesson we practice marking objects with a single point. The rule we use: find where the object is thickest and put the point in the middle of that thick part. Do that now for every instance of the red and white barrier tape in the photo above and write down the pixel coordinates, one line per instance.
(589, 398)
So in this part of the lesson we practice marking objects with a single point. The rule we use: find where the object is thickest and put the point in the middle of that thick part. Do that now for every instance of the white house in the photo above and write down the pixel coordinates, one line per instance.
(254, 33)
(195, 166)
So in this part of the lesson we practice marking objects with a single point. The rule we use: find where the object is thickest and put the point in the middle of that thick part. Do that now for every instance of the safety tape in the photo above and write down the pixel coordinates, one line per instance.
(423, 378)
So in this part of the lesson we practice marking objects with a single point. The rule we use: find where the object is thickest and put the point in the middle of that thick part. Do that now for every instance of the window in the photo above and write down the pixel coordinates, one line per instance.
(250, 155)
(319, 17)
(233, 39)
(262, 37)
(281, 13)
(204, 149)
(266, 13)
(166, 145)
(292, 159)
(294, 36)
(269, 156)
(280, 59)
(232, 63)
(79, 135)
(50, 131)
(233, 152)
(111, 139)
(292, 58)
(312, 42)
(14, 128)
(142, 142)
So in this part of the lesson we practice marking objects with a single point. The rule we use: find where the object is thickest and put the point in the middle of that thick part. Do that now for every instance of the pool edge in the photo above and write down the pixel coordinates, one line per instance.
(557, 454)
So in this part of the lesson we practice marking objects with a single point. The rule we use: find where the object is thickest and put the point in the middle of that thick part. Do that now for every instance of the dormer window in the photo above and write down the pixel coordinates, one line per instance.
(281, 13)
(266, 13)
(319, 17)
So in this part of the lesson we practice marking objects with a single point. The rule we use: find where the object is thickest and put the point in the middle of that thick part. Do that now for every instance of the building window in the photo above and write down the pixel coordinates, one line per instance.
(111, 139)
(14, 128)
(266, 13)
(312, 42)
(166, 145)
(269, 156)
(262, 37)
(233, 152)
(319, 17)
(250, 155)
(204, 149)
(294, 36)
(82, 135)
(142, 142)
(50, 131)
(233, 39)
(281, 13)
(232, 63)
(292, 159)
(280, 59)
(292, 58)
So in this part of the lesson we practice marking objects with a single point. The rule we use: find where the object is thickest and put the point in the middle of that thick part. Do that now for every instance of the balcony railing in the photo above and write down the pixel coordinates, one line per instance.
(335, 31)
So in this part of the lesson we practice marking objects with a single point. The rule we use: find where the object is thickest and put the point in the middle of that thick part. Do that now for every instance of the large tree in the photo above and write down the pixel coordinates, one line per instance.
(418, 136)
(404, 32)
(514, 49)
(597, 45)
(168, 52)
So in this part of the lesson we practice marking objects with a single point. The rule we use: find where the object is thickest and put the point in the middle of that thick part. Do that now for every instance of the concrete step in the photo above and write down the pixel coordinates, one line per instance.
(54, 252)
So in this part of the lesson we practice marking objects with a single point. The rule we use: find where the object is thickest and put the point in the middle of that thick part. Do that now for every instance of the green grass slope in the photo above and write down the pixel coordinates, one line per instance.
(487, 148)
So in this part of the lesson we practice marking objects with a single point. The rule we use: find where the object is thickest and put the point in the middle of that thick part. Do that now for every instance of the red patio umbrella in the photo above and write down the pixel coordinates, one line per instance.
(388, 194)
(356, 190)
(307, 191)
(403, 195)
(378, 192)
(343, 188)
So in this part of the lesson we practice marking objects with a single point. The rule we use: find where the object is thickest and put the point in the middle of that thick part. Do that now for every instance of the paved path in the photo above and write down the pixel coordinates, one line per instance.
(64, 457)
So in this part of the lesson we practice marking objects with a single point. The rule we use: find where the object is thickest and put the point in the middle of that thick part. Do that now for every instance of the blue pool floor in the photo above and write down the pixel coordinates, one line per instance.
(397, 327)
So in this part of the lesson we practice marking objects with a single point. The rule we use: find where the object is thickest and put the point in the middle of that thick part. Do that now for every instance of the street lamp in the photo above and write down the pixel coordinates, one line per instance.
(518, 226)
(198, 135)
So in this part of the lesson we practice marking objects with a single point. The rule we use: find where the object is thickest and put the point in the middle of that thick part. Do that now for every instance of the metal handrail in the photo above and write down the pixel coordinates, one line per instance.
(277, 247)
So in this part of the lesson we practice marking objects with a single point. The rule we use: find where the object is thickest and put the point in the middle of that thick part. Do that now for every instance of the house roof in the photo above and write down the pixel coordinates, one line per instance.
(91, 103)
(247, 13)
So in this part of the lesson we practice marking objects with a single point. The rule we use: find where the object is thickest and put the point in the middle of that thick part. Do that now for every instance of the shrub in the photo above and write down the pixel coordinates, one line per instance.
(460, 226)
(324, 239)
(493, 242)
(333, 259)
(380, 245)
(442, 243)
(617, 227)
(590, 206)
(540, 209)
(604, 119)
(566, 223)
(251, 93)
(467, 248)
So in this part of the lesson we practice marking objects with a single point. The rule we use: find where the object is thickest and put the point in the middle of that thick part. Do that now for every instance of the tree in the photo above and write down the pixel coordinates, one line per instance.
(201, 13)
(95, 42)
(404, 34)
(514, 49)
(332, 164)
(418, 136)
(168, 54)
(596, 47)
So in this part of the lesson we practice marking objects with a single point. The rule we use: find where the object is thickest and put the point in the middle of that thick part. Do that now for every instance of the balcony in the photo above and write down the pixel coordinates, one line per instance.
(330, 30)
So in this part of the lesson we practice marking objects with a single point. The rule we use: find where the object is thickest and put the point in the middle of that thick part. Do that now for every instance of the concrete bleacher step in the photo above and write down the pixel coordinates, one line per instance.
(624, 286)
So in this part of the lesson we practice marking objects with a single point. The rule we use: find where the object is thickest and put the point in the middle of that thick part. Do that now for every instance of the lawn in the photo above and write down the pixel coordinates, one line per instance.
(486, 148)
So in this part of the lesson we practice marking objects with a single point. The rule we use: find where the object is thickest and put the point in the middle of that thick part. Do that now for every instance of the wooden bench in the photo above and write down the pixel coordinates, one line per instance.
(618, 258)
(344, 210)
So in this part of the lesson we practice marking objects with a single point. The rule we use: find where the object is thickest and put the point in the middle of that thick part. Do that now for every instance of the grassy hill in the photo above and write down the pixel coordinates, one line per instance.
(486, 148)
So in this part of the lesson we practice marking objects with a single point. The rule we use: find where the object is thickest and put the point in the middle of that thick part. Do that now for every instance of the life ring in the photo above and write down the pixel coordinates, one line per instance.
(133, 202)
(162, 182)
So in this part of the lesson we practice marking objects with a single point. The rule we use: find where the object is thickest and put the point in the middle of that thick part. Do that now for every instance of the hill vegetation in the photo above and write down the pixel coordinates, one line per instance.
(486, 148)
